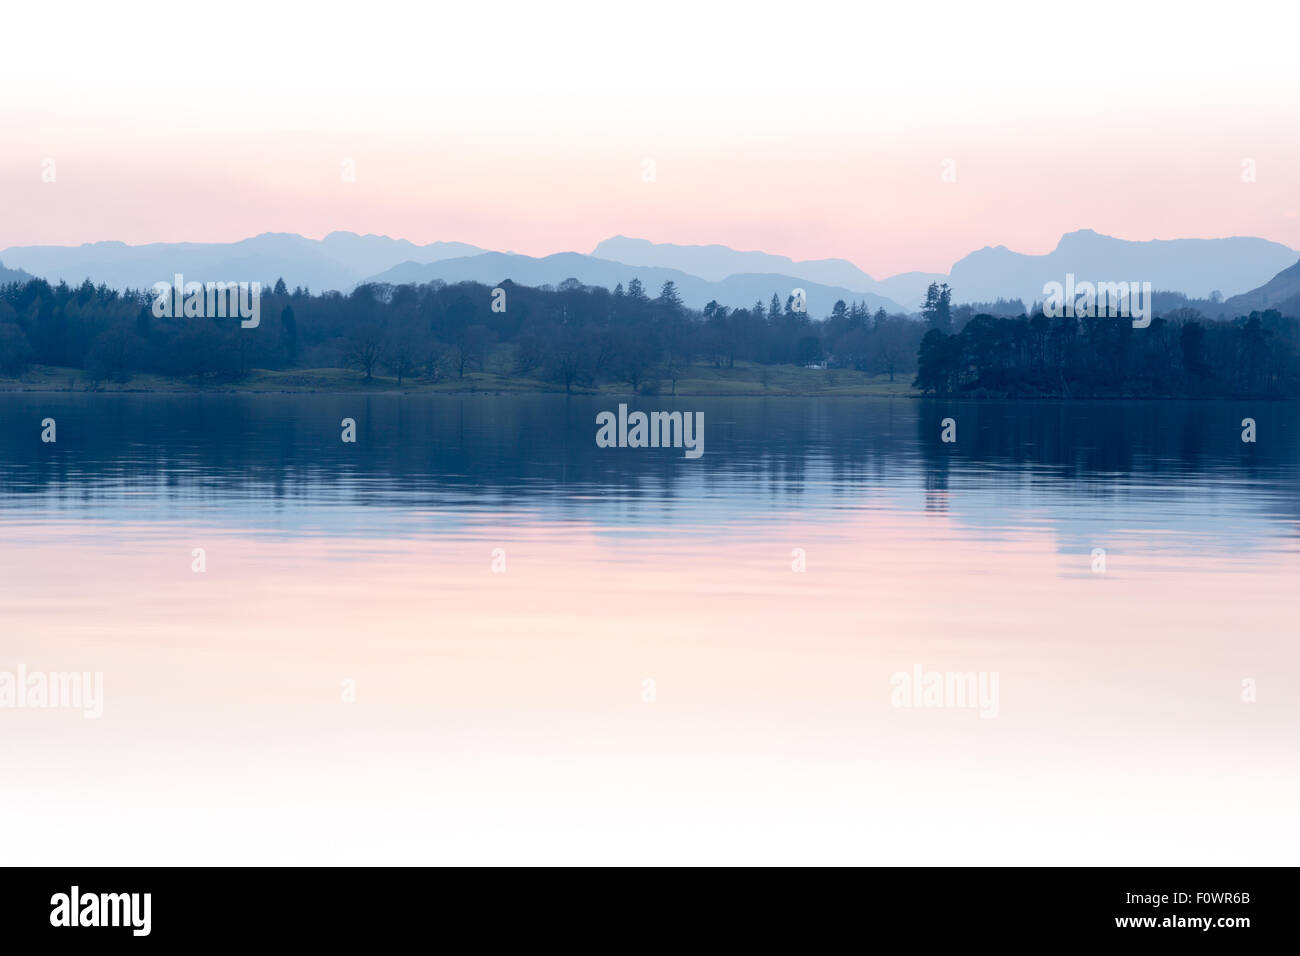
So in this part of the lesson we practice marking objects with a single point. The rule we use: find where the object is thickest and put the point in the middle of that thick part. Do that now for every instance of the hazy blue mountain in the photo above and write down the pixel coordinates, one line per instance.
(338, 261)
(369, 254)
(1195, 267)
(716, 262)
(1282, 292)
(736, 291)
(909, 287)
(12, 275)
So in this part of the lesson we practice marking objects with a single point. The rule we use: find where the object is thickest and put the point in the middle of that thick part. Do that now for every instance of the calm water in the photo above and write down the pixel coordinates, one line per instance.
(561, 652)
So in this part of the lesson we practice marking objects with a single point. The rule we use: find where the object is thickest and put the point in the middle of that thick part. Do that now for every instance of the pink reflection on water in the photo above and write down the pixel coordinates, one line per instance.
(493, 704)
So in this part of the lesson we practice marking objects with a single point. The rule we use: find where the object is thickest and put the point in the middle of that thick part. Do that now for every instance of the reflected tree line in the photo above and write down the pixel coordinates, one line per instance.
(527, 444)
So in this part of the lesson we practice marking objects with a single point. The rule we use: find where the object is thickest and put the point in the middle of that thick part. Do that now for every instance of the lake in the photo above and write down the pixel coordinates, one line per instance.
(472, 635)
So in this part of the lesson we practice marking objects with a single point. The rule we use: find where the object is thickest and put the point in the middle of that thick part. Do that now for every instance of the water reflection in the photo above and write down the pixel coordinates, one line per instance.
(276, 462)
(501, 715)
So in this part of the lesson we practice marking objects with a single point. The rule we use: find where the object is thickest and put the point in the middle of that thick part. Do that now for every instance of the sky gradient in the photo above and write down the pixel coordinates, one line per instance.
(817, 132)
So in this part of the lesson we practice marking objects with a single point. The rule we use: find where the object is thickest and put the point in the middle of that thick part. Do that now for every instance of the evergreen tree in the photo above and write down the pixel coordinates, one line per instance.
(669, 297)
(937, 310)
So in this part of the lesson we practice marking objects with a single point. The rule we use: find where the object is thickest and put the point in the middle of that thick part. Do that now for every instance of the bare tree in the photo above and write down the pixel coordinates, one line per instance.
(406, 351)
(365, 347)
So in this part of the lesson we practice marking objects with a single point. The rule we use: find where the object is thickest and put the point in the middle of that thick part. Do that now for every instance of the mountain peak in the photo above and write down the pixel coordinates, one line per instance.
(1079, 238)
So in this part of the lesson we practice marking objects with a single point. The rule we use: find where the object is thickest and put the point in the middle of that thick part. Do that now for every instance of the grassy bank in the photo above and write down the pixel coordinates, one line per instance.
(744, 379)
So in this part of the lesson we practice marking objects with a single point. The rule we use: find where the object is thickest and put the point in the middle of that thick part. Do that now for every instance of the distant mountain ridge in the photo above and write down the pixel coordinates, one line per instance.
(1234, 267)
(1282, 292)
(736, 291)
(1195, 267)
(339, 261)
(13, 275)
(716, 262)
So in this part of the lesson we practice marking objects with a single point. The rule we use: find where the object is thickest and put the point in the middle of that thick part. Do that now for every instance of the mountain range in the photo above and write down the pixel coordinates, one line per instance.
(1237, 268)
(719, 262)
(737, 291)
(339, 261)
(1195, 267)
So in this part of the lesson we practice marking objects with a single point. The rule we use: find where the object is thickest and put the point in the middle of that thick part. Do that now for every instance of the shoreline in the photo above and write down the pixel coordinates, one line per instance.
(704, 382)
(749, 381)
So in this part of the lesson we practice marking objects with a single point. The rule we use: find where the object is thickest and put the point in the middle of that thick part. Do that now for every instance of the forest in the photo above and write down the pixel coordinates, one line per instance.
(576, 337)
(572, 336)
(1180, 354)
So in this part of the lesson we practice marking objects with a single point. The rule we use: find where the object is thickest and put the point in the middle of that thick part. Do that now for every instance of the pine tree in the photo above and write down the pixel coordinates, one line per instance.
(669, 297)
(937, 310)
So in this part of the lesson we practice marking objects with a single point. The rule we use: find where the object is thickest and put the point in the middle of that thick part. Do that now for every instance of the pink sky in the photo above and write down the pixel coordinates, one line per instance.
(533, 139)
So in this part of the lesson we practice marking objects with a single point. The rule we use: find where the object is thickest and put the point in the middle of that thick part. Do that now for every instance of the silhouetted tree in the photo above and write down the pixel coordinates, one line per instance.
(365, 347)
(937, 311)
(15, 350)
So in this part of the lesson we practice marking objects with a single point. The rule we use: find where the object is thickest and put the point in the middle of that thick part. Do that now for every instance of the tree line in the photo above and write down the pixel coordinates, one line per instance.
(575, 336)
(1180, 354)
